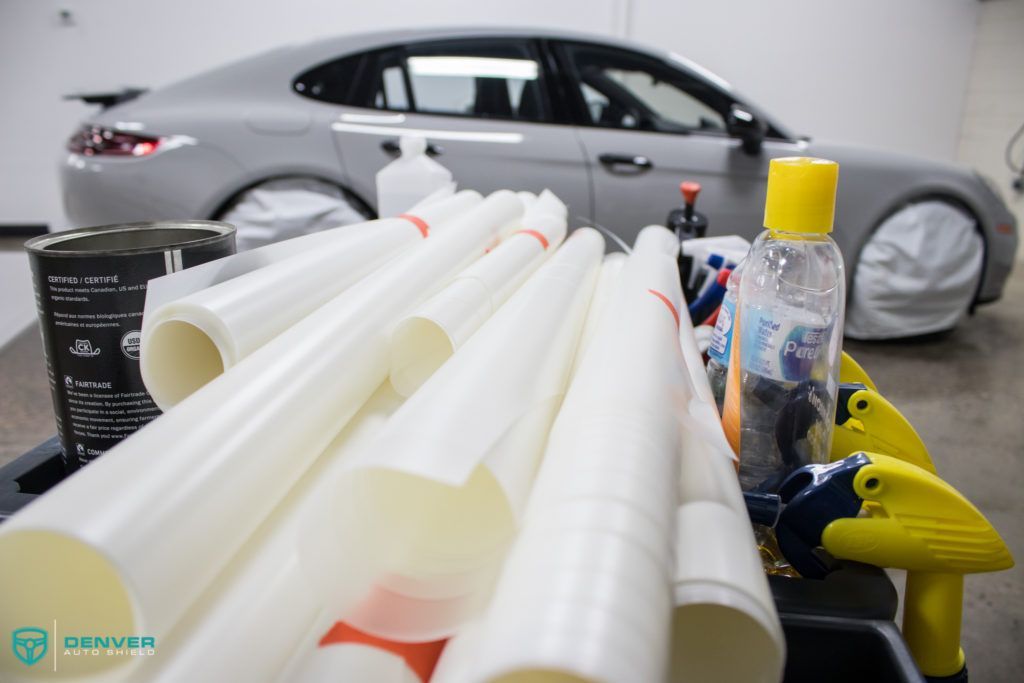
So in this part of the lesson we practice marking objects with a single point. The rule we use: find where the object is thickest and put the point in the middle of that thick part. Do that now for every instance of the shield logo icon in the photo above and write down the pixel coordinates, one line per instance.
(29, 644)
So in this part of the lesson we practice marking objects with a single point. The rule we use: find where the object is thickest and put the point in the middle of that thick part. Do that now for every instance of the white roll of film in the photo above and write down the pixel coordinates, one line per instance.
(152, 523)
(426, 339)
(440, 492)
(189, 341)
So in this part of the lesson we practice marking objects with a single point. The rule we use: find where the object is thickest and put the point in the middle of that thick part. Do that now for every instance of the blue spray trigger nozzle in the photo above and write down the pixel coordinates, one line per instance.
(810, 499)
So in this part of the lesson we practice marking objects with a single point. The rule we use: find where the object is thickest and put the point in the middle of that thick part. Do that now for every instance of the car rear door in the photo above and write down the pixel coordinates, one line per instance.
(648, 124)
(483, 105)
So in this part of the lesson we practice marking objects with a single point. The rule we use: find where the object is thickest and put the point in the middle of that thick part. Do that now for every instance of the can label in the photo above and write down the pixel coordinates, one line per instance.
(90, 315)
(94, 311)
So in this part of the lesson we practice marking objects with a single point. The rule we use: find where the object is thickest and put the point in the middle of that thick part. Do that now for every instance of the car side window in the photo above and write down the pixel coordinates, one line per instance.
(333, 81)
(622, 89)
(500, 79)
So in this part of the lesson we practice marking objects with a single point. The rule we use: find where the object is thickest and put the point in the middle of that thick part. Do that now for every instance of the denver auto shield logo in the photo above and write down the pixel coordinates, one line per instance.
(29, 644)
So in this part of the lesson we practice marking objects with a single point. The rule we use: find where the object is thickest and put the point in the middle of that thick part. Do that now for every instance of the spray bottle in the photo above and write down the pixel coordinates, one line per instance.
(687, 223)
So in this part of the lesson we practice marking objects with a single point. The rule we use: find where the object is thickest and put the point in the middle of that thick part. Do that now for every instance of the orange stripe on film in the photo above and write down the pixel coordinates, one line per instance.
(418, 222)
(671, 307)
(420, 657)
(533, 233)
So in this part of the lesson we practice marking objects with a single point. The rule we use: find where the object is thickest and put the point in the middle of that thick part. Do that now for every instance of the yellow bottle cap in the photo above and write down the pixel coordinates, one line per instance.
(801, 194)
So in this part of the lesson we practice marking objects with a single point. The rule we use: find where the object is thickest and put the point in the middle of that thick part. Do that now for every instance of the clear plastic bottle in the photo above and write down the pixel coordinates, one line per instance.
(784, 373)
(721, 340)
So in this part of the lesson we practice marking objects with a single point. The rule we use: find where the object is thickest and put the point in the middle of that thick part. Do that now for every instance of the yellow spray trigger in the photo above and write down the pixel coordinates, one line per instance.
(851, 371)
(915, 521)
(866, 421)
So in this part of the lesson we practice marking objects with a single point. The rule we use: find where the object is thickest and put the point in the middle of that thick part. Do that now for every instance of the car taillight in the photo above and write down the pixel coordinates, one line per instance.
(100, 141)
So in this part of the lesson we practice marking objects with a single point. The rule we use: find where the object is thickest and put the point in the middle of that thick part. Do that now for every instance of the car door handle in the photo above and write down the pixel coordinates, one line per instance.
(636, 161)
(391, 147)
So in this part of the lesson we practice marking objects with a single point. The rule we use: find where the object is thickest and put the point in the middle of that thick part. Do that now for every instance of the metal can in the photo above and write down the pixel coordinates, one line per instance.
(90, 287)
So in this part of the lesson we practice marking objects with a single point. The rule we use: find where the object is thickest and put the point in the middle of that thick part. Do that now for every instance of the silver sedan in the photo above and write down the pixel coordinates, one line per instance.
(290, 141)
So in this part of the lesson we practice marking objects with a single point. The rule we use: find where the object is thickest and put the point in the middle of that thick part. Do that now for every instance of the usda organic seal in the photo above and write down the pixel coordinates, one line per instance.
(130, 343)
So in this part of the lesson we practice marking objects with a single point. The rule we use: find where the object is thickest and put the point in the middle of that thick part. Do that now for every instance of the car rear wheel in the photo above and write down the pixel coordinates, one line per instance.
(282, 208)
(917, 274)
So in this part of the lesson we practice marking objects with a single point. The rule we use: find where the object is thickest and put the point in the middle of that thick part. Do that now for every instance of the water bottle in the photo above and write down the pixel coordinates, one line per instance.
(784, 371)
(721, 339)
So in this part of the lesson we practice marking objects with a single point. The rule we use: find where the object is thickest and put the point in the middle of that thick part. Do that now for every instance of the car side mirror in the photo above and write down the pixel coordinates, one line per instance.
(751, 130)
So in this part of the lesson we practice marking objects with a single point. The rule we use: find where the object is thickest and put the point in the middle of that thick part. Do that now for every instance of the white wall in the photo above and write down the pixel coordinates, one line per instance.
(889, 73)
(876, 71)
(995, 97)
(113, 43)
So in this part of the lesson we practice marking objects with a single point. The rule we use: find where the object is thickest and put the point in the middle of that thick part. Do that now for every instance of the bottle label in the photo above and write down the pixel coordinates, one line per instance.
(780, 349)
(721, 339)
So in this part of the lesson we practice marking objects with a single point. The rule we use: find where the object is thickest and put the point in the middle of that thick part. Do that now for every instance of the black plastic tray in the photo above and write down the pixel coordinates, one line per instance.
(839, 649)
(29, 476)
(838, 629)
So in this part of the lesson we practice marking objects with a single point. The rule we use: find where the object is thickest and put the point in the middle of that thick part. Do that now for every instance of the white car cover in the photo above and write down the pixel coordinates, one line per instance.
(917, 274)
(288, 207)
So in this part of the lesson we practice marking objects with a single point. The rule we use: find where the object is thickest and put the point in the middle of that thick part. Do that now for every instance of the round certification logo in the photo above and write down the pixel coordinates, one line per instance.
(130, 344)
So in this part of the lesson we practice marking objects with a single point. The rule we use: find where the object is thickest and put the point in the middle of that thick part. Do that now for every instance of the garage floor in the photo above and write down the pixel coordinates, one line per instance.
(964, 393)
